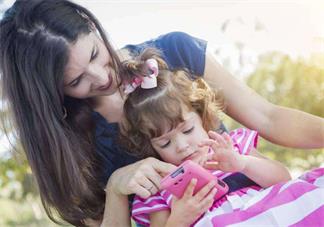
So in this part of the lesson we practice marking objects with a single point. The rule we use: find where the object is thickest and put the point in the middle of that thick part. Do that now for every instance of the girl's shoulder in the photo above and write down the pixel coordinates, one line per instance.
(142, 208)
(244, 139)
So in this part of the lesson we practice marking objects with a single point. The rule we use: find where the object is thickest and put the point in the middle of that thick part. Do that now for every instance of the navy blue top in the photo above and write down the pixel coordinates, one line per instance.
(179, 50)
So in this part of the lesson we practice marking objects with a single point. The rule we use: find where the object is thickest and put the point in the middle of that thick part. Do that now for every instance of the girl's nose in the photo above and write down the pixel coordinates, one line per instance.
(182, 146)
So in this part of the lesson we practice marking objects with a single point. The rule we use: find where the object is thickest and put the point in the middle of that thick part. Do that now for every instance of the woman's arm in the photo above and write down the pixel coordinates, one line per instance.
(116, 208)
(280, 125)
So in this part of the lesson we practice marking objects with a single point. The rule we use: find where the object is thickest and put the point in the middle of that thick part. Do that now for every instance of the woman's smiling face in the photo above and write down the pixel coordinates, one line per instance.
(89, 72)
(181, 143)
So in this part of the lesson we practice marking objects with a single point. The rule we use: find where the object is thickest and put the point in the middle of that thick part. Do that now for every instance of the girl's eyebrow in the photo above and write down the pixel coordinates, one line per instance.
(92, 55)
(162, 137)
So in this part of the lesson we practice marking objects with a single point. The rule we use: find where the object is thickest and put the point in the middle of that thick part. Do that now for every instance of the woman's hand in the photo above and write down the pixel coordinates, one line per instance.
(186, 210)
(223, 157)
(141, 178)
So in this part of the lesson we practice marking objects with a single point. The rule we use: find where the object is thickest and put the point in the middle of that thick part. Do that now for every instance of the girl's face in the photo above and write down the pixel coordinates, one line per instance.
(181, 143)
(89, 71)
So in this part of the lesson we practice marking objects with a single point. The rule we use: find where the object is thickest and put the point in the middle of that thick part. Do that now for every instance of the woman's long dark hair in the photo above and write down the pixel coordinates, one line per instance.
(35, 36)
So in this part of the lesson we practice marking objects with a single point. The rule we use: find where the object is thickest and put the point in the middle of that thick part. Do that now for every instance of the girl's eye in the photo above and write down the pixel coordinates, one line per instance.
(165, 145)
(189, 130)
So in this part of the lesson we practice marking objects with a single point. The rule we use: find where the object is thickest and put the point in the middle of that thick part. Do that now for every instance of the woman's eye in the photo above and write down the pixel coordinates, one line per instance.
(165, 145)
(189, 130)
(75, 82)
(94, 55)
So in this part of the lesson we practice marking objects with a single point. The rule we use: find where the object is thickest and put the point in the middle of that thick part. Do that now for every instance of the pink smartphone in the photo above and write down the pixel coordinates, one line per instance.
(177, 181)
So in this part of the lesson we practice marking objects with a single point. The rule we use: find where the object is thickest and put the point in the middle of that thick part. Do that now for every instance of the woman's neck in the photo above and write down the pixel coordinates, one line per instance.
(111, 107)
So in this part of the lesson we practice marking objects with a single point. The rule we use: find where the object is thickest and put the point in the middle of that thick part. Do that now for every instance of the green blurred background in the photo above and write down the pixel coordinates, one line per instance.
(290, 80)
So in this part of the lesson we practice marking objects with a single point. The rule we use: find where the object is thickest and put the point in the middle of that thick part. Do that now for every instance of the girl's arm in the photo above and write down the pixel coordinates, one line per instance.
(280, 125)
(265, 172)
(159, 218)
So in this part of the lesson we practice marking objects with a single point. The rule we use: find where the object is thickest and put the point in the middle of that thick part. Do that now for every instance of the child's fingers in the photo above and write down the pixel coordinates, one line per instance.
(217, 137)
(215, 156)
(208, 200)
(222, 142)
(227, 139)
(212, 135)
(202, 193)
(210, 143)
(174, 200)
(203, 159)
(190, 189)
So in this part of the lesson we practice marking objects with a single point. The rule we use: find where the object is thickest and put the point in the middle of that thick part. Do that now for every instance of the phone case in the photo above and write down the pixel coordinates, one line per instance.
(177, 181)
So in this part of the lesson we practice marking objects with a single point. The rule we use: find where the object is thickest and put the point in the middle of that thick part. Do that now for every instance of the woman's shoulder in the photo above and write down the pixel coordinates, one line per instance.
(177, 37)
(167, 40)
(179, 49)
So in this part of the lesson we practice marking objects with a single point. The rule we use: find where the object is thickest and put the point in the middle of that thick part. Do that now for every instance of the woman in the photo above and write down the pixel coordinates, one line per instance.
(61, 78)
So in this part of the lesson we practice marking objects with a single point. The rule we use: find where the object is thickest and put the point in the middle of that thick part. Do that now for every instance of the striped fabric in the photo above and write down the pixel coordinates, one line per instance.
(244, 140)
(296, 203)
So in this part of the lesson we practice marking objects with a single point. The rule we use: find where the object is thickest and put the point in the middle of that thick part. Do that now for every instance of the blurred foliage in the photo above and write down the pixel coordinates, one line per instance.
(295, 83)
(30, 213)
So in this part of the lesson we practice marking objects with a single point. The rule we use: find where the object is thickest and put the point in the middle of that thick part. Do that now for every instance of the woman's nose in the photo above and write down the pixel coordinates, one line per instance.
(98, 74)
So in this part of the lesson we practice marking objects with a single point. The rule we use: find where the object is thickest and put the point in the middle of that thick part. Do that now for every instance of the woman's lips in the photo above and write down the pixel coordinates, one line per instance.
(107, 85)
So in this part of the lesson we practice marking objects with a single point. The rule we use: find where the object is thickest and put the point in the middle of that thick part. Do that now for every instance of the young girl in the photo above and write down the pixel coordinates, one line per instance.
(170, 117)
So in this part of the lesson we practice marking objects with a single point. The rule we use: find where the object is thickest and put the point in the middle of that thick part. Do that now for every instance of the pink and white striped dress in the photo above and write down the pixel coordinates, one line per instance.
(298, 202)
(243, 139)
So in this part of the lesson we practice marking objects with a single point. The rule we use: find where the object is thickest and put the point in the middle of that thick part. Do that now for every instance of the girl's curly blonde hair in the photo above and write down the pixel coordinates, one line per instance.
(148, 113)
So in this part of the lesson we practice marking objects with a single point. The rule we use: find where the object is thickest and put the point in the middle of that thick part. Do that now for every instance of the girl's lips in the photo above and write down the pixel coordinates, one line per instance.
(107, 85)
(190, 157)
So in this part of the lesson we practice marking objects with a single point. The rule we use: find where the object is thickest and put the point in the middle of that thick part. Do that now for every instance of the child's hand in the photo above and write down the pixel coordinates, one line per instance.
(190, 207)
(223, 157)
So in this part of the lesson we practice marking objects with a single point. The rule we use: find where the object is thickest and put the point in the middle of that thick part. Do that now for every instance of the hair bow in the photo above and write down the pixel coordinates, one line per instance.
(146, 82)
